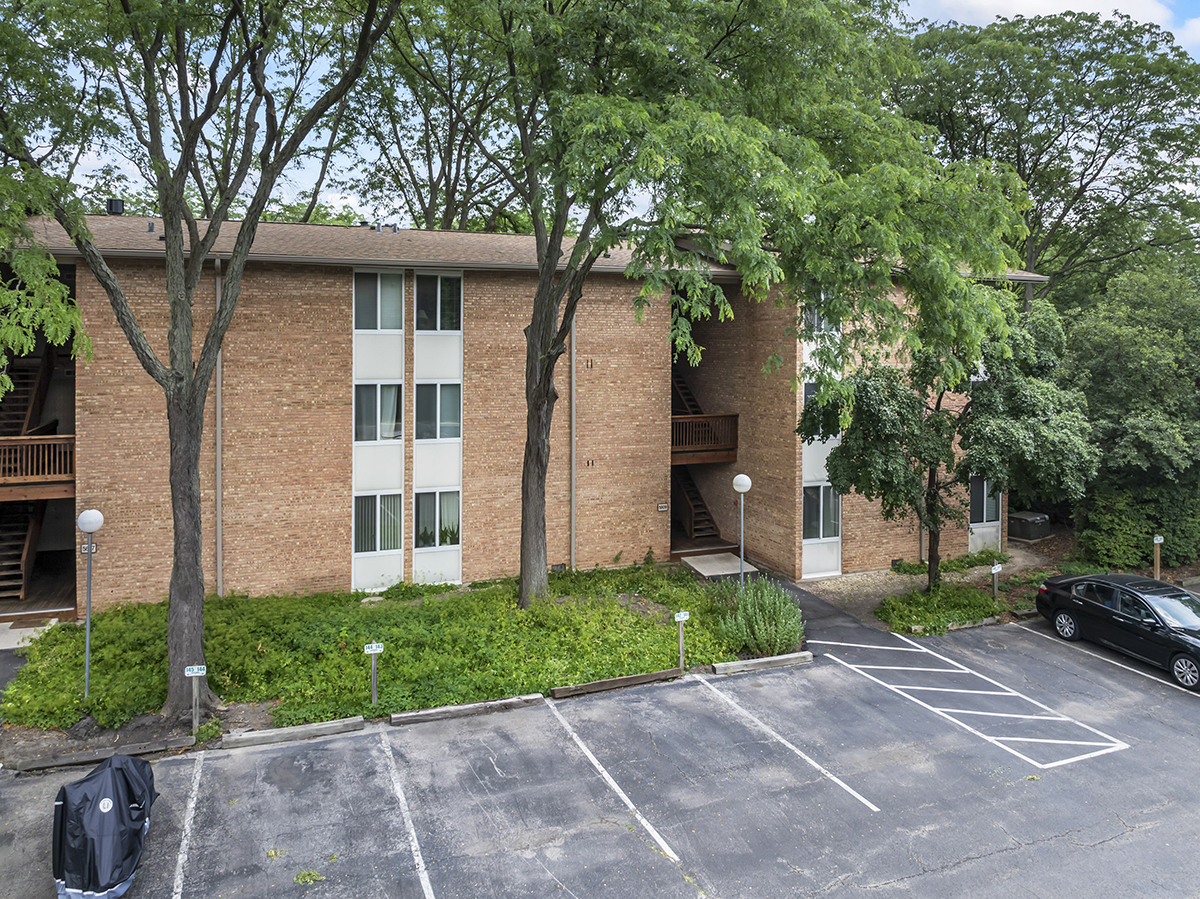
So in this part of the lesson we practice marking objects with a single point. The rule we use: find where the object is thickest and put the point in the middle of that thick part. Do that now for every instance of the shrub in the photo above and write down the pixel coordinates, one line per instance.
(934, 612)
(1120, 526)
(960, 563)
(765, 620)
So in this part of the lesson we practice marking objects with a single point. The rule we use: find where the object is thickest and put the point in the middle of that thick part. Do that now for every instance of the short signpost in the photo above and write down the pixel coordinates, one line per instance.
(681, 617)
(373, 650)
(195, 672)
(996, 581)
(1157, 544)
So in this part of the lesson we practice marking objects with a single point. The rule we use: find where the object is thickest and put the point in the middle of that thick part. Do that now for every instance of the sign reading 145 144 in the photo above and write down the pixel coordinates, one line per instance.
(195, 670)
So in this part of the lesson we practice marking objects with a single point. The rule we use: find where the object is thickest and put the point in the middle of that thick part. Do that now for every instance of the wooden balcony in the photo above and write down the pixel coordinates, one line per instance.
(696, 439)
(37, 467)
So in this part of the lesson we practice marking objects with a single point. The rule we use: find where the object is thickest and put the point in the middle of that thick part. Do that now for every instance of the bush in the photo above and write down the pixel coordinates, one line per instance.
(934, 612)
(1120, 526)
(960, 563)
(765, 620)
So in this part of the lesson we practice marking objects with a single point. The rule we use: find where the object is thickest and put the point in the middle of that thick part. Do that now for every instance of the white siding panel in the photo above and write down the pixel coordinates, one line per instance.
(437, 465)
(437, 357)
(377, 571)
(379, 467)
(438, 566)
(378, 357)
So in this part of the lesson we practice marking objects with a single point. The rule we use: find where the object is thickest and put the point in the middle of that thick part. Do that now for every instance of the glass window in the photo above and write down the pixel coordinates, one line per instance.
(439, 303)
(377, 411)
(439, 411)
(378, 301)
(378, 523)
(437, 519)
(985, 501)
(821, 513)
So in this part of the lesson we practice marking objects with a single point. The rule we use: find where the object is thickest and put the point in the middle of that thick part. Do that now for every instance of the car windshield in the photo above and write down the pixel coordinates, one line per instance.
(1178, 610)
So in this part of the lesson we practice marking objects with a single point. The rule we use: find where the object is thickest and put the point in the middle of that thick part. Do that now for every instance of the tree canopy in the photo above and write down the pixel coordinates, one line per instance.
(914, 441)
(1098, 116)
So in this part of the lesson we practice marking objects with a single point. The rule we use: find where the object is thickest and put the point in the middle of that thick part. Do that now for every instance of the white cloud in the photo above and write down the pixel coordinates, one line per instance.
(1180, 17)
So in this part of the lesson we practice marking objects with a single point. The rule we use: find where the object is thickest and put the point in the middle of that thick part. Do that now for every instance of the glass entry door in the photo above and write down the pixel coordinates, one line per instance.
(822, 531)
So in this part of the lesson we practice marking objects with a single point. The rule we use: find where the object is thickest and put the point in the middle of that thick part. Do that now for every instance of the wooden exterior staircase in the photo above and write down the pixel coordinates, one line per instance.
(35, 465)
(689, 507)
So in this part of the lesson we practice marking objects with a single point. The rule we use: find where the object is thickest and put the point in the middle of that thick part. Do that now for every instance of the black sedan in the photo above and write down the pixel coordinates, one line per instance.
(1150, 620)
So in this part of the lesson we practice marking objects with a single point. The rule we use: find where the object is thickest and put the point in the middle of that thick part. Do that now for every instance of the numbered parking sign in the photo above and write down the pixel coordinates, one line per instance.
(195, 671)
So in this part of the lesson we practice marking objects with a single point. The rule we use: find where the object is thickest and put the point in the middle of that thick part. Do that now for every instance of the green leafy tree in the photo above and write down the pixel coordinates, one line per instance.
(211, 104)
(1135, 354)
(913, 438)
(699, 130)
(1099, 116)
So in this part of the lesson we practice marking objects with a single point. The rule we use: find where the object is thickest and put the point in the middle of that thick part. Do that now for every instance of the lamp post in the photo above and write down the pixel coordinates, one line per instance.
(89, 522)
(741, 483)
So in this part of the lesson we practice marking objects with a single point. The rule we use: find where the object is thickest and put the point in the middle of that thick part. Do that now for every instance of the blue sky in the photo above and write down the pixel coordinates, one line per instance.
(1180, 17)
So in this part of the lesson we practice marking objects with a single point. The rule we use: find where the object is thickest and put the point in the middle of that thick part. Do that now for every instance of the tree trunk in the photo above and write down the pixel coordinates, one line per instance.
(185, 616)
(935, 557)
(540, 398)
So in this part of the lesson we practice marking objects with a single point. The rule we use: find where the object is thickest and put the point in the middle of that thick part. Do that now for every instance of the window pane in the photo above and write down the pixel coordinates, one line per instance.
(365, 415)
(364, 524)
(427, 288)
(425, 530)
(391, 302)
(831, 513)
(390, 423)
(812, 513)
(448, 532)
(451, 304)
(426, 412)
(390, 521)
(451, 412)
(991, 511)
(976, 500)
(365, 288)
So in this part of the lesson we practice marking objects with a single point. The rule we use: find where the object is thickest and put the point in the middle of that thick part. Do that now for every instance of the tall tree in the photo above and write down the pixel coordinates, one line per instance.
(1099, 116)
(914, 439)
(697, 130)
(211, 103)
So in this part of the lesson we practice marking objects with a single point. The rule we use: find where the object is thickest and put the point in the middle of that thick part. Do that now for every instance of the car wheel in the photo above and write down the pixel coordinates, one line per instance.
(1065, 625)
(1185, 671)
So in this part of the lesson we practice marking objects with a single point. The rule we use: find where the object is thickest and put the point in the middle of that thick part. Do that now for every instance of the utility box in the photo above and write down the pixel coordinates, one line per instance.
(1028, 525)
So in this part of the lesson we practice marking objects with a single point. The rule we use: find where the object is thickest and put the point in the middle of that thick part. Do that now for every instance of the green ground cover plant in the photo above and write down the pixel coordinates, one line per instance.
(932, 613)
(442, 645)
(957, 564)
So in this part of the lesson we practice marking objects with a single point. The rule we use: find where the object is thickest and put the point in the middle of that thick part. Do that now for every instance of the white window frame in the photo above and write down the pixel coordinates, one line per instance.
(378, 412)
(378, 300)
(837, 497)
(437, 511)
(461, 303)
(986, 493)
(377, 495)
(438, 411)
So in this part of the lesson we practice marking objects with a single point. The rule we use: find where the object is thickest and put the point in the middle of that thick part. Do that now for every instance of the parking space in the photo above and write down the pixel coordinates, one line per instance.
(853, 775)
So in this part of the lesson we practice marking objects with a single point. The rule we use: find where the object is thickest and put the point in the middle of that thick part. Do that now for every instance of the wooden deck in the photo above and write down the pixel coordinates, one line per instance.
(51, 592)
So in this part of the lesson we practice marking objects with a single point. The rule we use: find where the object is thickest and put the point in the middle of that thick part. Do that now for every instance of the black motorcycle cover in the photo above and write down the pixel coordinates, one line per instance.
(100, 823)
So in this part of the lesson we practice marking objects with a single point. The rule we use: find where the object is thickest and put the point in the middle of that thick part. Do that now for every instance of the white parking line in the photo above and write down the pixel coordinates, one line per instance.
(772, 733)
(1111, 744)
(1095, 655)
(662, 844)
(413, 844)
(188, 815)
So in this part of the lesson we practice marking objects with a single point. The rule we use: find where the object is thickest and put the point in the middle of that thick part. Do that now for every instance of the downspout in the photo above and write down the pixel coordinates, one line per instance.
(220, 540)
(573, 443)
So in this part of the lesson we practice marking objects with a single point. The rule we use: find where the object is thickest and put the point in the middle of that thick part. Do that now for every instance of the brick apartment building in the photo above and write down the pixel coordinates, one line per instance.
(367, 425)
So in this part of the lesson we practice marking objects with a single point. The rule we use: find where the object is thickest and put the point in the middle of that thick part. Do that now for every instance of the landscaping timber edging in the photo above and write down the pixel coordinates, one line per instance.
(296, 732)
(461, 711)
(615, 683)
(792, 658)
(89, 756)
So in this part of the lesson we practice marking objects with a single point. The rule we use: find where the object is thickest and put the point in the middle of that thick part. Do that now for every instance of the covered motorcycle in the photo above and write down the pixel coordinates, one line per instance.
(100, 824)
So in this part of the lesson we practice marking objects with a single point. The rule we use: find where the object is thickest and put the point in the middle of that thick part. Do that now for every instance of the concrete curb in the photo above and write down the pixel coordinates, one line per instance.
(298, 732)
(615, 683)
(88, 756)
(794, 658)
(466, 709)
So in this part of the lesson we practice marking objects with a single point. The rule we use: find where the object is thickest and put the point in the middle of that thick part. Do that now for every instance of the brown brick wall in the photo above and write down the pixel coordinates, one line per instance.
(287, 432)
(730, 379)
(623, 426)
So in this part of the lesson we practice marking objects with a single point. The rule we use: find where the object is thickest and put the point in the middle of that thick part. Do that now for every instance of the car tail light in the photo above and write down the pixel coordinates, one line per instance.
(1043, 589)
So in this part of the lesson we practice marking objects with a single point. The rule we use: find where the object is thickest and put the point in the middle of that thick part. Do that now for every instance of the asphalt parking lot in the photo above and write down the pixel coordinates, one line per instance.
(991, 762)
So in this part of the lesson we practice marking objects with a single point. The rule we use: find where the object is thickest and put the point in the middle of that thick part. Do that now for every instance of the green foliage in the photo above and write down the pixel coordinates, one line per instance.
(765, 620)
(307, 651)
(959, 563)
(1097, 114)
(934, 611)
(1120, 527)
(209, 730)
(308, 877)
